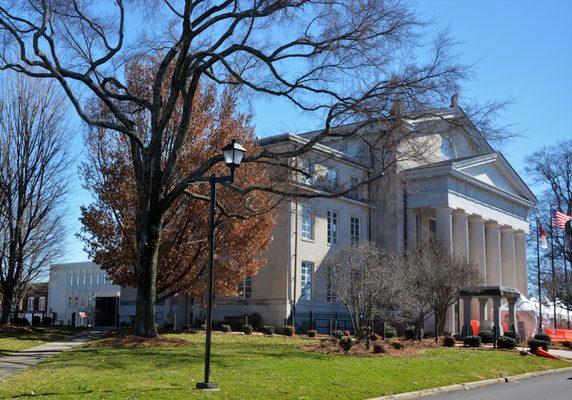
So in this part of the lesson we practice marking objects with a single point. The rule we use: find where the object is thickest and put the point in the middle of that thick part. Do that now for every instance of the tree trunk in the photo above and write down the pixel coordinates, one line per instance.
(148, 239)
(6, 309)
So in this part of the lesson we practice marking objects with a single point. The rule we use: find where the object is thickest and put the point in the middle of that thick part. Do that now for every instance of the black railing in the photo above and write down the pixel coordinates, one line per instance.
(322, 322)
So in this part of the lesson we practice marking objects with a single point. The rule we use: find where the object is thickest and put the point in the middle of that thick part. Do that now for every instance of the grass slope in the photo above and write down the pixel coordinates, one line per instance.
(248, 367)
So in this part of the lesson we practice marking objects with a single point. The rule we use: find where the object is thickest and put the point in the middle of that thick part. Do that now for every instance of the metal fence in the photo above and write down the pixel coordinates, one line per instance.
(322, 322)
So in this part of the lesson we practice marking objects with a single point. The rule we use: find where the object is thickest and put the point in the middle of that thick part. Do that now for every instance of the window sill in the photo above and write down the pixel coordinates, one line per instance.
(303, 239)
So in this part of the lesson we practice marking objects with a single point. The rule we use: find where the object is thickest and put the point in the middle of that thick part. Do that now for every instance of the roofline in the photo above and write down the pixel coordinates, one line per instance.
(286, 137)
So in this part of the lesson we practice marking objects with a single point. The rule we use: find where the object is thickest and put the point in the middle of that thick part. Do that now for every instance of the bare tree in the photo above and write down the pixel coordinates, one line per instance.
(368, 282)
(434, 281)
(347, 62)
(33, 166)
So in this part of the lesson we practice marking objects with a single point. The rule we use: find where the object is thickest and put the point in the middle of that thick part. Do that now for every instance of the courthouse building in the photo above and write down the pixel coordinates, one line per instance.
(459, 189)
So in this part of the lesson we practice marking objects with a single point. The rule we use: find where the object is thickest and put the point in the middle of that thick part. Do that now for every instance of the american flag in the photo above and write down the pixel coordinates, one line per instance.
(559, 219)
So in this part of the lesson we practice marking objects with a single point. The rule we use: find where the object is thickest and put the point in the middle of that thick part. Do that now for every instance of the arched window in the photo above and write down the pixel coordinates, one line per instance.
(447, 148)
(42, 304)
(30, 304)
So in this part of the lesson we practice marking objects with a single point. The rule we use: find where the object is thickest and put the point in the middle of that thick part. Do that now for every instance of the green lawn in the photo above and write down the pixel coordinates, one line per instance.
(248, 367)
(20, 340)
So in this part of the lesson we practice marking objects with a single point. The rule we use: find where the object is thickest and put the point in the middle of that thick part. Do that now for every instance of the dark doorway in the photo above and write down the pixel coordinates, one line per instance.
(105, 311)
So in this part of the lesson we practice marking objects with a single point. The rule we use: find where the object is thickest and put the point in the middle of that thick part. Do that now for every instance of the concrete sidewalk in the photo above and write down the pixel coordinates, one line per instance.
(21, 360)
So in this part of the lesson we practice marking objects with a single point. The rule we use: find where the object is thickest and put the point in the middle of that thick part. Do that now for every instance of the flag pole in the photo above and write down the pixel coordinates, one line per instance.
(538, 273)
(552, 265)
(566, 284)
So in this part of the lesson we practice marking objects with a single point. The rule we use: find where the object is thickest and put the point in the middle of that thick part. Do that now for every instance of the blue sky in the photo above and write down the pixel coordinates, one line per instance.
(522, 50)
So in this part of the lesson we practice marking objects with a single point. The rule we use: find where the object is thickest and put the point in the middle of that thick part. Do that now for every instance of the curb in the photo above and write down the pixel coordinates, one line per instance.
(420, 394)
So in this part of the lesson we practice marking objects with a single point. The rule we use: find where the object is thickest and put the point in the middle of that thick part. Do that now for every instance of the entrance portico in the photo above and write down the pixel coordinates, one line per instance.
(478, 208)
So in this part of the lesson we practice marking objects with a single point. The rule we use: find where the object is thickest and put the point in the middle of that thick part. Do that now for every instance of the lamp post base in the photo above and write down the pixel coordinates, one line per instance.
(207, 386)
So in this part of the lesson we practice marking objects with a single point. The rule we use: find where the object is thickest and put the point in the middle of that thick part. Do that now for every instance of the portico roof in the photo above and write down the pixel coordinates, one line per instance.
(491, 171)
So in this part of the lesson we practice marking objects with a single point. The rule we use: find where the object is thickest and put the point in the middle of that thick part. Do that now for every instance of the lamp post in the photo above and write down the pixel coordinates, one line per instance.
(232, 153)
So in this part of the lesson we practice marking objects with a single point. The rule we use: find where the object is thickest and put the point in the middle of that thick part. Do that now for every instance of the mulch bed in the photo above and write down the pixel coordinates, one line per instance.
(124, 340)
(411, 348)
(16, 330)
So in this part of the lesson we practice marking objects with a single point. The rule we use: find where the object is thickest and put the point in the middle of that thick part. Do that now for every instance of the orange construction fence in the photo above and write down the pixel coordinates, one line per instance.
(559, 335)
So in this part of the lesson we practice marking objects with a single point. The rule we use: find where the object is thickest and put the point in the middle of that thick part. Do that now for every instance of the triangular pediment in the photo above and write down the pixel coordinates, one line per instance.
(493, 169)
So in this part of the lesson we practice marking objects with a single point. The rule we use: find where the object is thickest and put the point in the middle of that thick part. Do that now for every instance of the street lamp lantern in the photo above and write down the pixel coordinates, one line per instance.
(233, 153)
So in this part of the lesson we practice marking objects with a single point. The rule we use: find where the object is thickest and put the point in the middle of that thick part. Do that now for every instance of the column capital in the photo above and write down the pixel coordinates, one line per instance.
(460, 213)
(492, 224)
(519, 233)
(443, 209)
(506, 229)
(475, 218)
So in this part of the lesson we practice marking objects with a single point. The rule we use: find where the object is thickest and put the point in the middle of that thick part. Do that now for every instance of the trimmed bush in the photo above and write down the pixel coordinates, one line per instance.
(288, 330)
(389, 332)
(337, 334)
(542, 336)
(36, 320)
(346, 343)
(487, 336)
(247, 329)
(374, 337)
(567, 344)
(203, 327)
(396, 344)
(506, 342)
(379, 348)
(534, 344)
(449, 341)
(412, 333)
(267, 330)
(312, 333)
(513, 335)
(225, 328)
(47, 321)
(472, 341)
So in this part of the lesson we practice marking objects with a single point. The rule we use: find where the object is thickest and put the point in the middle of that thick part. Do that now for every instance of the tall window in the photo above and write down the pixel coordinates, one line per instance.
(42, 304)
(432, 226)
(306, 280)
(30, 303)
(77, 279)
(355, 227)
(105, 278)
(332, 227)
(330, 294)
(307, 222)
(90, 279)
(97, 279)
(245, 288)
(332, 178)
(71, 279)
(84, 279)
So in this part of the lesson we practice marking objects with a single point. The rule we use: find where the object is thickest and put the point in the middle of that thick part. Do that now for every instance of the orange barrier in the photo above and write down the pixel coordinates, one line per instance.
(475, 326)
(559, 335)
(543, 353)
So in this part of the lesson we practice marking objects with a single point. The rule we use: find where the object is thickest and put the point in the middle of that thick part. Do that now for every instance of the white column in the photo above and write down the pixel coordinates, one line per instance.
(411, 228)
(492, 238)
(512, 324)
(445, 228)
(520, 262)
(507, 258)
(496, 316)
(477, 253)
(482, 313)
(467, 316)
(461, 234)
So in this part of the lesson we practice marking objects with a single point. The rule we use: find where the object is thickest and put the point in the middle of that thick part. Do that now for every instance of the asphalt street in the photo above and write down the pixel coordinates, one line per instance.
(549, 387)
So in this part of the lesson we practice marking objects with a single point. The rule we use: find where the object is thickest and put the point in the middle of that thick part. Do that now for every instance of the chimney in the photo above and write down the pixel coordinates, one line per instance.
(454, 101)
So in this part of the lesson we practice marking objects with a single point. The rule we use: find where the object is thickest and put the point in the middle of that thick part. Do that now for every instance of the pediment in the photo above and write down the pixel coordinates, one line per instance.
(493, 169)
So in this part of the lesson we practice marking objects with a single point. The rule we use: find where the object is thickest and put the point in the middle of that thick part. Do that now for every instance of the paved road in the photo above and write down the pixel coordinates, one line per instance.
(549, 387)
(16, 362)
